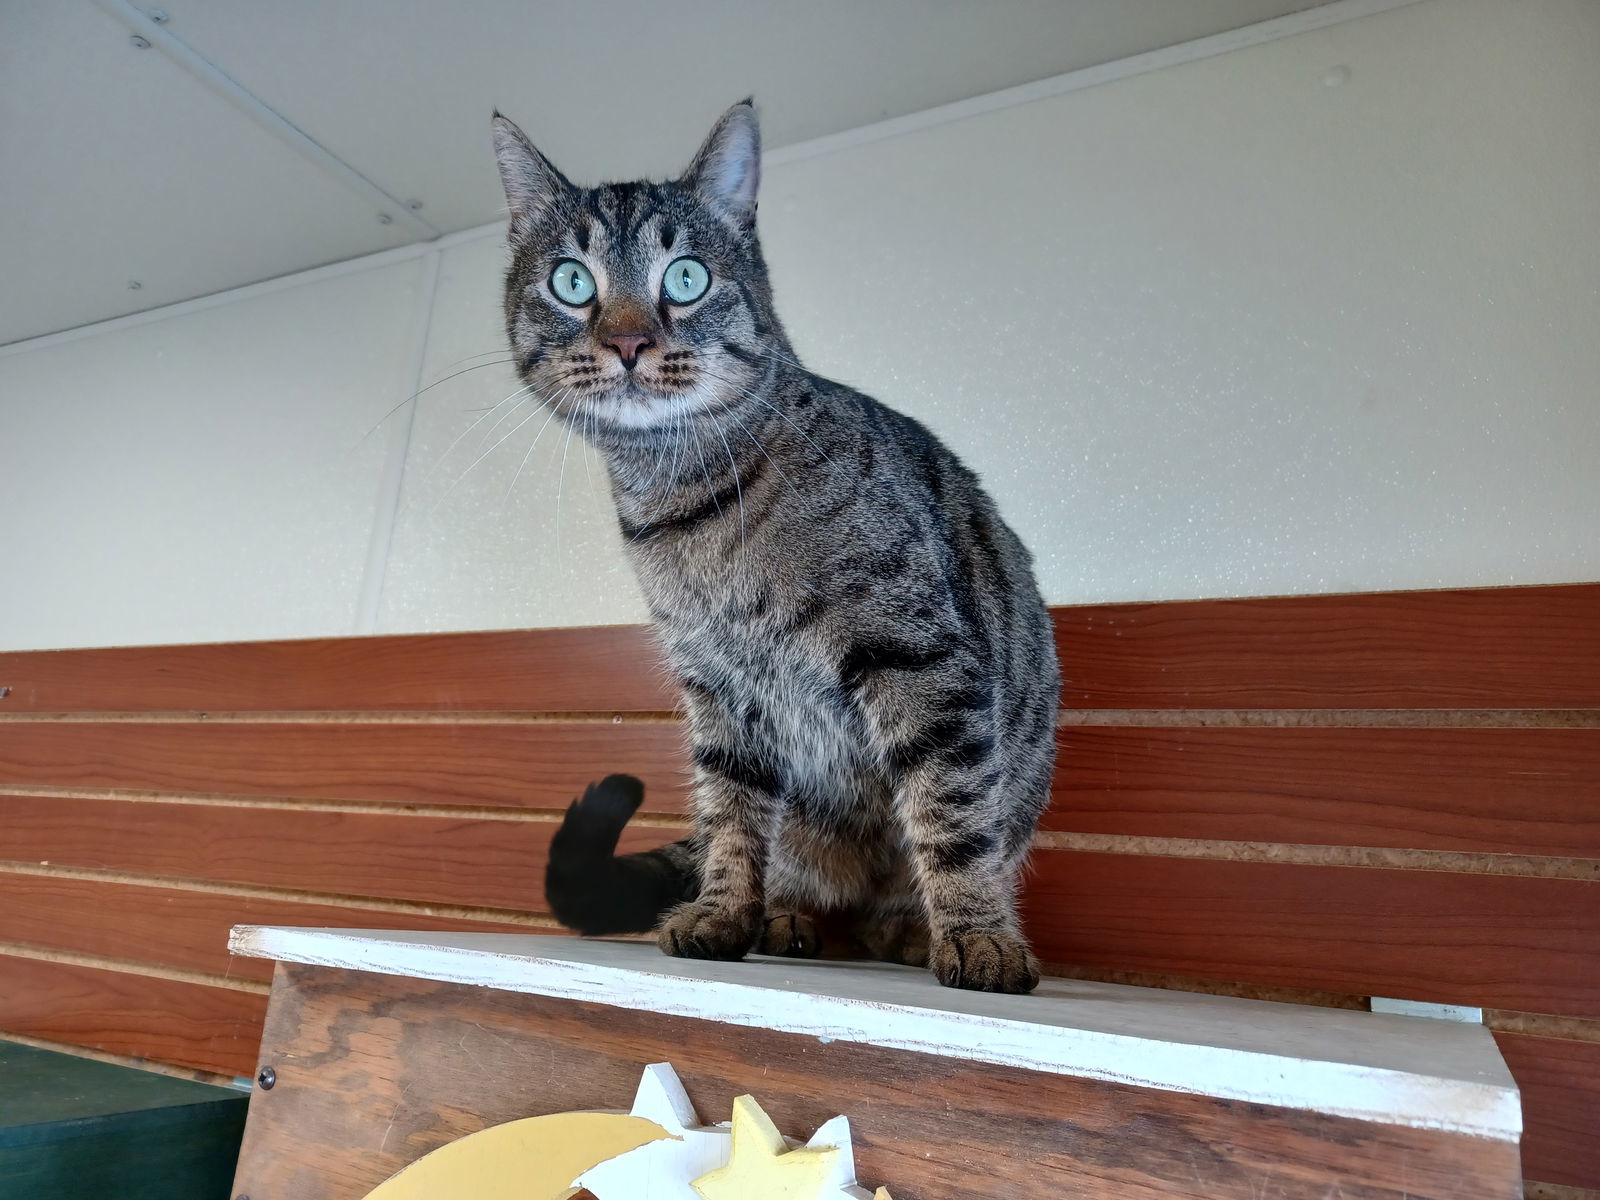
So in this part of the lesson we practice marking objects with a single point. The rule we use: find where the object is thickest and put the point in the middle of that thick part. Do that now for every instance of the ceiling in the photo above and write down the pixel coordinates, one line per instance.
(247, 140)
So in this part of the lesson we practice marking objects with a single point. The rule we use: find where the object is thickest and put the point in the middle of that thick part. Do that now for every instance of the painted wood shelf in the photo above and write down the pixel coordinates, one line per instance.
(1444, 1080)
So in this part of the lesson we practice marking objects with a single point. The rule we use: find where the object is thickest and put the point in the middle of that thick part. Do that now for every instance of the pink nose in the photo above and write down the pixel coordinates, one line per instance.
(628, 345)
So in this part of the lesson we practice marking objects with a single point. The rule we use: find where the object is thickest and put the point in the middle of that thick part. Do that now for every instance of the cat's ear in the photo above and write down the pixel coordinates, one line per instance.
(530, 180)
(727, 170)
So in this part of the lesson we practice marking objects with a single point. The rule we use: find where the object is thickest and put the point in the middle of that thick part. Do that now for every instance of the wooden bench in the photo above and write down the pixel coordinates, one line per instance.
(1316, 799)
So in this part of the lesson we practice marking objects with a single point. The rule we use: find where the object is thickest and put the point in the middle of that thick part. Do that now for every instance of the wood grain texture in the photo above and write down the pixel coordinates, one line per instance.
(375, 1071)
(1560, 1082)
(173, 927)
(1531, 647)
(540, 765)
(497, 864)
(603, 668)
(1485, 940)
(1506, 791)
(209, 1028)
(1525, 647)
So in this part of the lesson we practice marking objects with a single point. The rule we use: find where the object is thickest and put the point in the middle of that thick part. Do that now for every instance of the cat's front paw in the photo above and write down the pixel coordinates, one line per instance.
(984, 962)
(699, 930)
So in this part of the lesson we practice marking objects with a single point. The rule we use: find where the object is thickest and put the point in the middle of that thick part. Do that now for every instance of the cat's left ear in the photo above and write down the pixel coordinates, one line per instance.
(530, 179)
(727, 170)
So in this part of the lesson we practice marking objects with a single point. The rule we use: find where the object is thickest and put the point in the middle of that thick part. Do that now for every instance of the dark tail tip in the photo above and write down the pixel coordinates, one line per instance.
(591, 890)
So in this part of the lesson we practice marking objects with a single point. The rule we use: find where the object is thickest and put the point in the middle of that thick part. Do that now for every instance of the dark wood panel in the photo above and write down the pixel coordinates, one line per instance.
(172, 927)
(1560, 1082)
(532, 765)
(1494, 941)
(1508, 791)
(603, 668)
(373, 1072)
(164, 1020)
(497, 864)
(1533, 647)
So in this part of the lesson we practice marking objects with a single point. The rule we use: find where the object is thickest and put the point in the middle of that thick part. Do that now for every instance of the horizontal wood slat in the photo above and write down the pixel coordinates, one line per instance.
(493, 863)
(177, 928)
(602, 668)
(1507, 791)
(1532, 647)
(542, 765)
(209, 1028)
(1487, 940)
(1560, 1083)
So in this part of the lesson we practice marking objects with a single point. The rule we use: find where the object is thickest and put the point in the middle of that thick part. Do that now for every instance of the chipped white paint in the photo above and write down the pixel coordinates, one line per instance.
(1369, 1066)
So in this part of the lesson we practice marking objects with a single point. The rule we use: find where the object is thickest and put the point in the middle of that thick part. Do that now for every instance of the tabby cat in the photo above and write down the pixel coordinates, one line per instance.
(868, 669)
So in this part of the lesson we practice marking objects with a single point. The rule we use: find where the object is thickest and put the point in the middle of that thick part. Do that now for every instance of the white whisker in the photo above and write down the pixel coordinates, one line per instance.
(555, 406)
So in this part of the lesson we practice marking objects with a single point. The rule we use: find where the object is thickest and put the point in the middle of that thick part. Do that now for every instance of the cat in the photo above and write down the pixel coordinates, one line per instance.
(867, 667)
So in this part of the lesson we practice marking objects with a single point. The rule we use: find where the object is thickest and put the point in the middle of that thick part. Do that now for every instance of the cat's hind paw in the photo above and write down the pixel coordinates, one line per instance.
(790, 935)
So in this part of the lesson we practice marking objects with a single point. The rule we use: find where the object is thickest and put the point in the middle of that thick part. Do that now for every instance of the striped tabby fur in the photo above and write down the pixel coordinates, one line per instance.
(868, 669)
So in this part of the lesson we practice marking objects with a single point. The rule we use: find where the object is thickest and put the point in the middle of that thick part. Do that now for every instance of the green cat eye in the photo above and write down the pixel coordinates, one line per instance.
(686, 280)
(572, 283)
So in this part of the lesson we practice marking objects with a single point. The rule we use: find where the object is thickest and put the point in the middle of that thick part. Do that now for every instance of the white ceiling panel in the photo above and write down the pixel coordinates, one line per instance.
(116, 166)
(403, 89)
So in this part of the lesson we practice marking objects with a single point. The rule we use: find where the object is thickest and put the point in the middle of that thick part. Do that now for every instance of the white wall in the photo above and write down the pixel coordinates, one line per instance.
(1316, 315)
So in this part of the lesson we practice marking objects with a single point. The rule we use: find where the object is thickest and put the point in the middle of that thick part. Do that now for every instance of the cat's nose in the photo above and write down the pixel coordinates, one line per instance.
(628, 345)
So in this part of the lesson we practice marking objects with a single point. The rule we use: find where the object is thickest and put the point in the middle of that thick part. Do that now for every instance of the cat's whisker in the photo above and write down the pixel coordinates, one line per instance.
(738, 487)
(415, 395)
(782, 474)
(561, 480)
(704, 470)
(462, 436)
(541, 403)
(749, 395)
(527, 454)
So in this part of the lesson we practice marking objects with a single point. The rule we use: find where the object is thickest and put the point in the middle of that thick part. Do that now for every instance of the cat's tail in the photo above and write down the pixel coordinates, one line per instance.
(591, 889)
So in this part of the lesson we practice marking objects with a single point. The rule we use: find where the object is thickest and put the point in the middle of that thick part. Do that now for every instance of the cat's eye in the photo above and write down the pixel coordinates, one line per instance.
(572, 283)
(686, 281)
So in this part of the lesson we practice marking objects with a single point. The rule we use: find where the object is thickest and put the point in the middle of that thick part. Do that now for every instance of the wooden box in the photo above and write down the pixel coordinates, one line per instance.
(387, 1045)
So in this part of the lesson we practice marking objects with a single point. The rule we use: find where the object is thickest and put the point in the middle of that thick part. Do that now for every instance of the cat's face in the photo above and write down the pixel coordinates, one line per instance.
(630, 305)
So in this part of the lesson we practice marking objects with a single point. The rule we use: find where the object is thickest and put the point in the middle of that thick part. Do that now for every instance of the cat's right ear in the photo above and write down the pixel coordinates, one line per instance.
(530, 180)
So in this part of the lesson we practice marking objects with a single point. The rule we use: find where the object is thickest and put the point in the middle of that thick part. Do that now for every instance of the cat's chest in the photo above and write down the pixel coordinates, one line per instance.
(780, 696)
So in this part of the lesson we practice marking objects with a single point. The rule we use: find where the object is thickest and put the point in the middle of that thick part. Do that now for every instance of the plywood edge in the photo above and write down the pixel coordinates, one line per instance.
(1419, 1074)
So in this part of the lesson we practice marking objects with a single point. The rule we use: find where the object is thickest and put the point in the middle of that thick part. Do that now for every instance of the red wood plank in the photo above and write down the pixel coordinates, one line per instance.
(492, 863)
(528, 765)
(164, 1020)
(1493, 941)
(1530, 647)
(1508, 791)
(1560, 1082)
(603, 668)
(171, 927)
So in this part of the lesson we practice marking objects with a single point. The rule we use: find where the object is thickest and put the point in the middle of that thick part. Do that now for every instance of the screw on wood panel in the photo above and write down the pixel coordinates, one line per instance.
(267, 1077)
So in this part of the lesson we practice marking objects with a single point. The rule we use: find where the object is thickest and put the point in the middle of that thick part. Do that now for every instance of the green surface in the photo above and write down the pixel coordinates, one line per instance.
(72, 1128)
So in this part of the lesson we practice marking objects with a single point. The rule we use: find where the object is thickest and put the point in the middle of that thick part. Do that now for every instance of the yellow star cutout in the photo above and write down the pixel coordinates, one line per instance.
(761, 1166)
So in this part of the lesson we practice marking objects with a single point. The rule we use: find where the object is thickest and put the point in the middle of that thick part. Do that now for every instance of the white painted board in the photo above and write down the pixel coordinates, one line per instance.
(1396, 1070)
